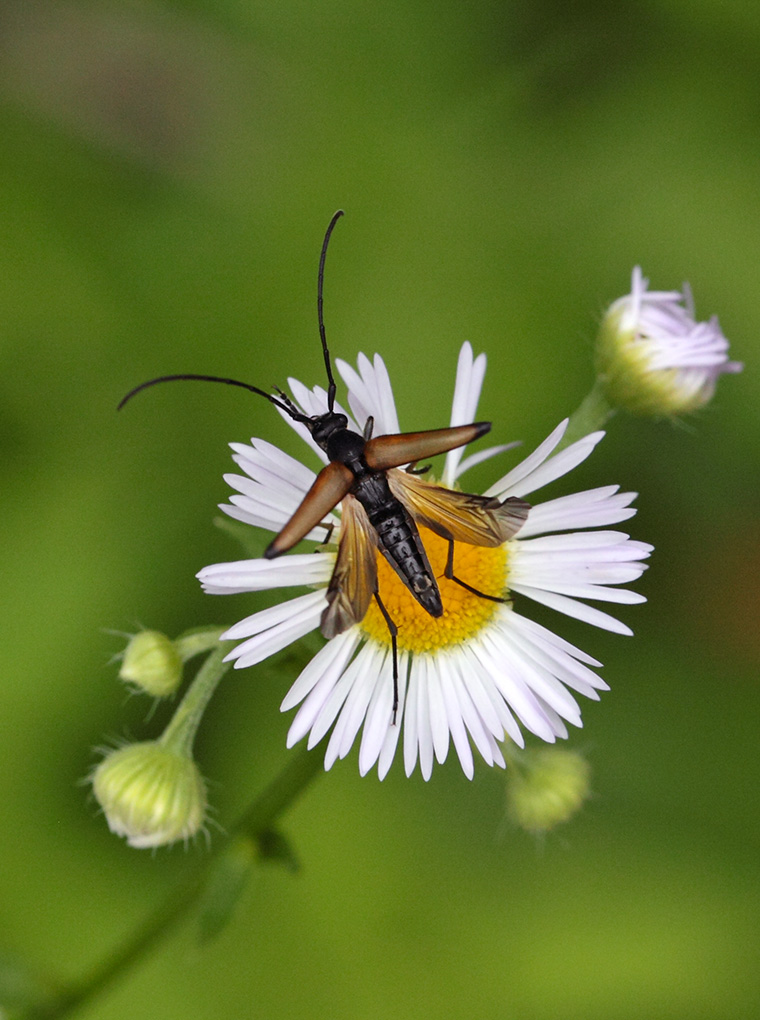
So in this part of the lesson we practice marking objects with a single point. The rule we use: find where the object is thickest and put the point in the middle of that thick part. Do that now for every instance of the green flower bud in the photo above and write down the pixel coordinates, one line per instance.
(546, 787)
(654, 358)
(153, 663)
(151, 794)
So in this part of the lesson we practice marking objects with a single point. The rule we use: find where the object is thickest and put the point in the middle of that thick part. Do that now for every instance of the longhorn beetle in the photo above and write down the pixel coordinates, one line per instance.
(381, 506)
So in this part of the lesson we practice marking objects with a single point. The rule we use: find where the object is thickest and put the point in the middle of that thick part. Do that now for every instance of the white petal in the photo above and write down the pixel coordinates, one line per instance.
(301, 430)
(270, 495)
(258, 622)
(319, 397)
(325, 697)
(454, 719)
(370, 394)
(472, 721)
(332, 701)
(560, 664)
(388, 416)
(439, 724)
(329, 661)
(355, 708)
(541, 681)
(551, 641)
(424, 725)
(531, 462)
(469, 382)
(411, 741)
(555, 467)
(390, 743)
(277, 467)
(247, 514)
(590, 509)
(376, 725)
(359, 399)
(578, 610)
(480, 680)
(261, 574)
(260, 647)
(555, 721)
(478, 458)
(507, 677)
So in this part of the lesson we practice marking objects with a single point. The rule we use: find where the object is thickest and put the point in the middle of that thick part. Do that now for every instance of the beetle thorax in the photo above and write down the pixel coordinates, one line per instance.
(346, 447)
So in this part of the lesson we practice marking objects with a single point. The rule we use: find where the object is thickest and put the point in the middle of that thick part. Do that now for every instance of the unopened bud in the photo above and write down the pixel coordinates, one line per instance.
(546, 787)
(151, 794)
(153, 663)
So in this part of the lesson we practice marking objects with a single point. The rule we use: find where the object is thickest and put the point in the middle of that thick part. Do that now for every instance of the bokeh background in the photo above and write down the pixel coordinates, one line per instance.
(167, 171)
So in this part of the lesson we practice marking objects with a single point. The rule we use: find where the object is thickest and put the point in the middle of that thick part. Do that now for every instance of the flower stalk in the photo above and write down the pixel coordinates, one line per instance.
(255, 822)
(592, 414)
(179, 735)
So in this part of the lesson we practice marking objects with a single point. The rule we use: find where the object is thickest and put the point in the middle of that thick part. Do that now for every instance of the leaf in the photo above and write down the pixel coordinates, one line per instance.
(226, 881)
(229, 874)
(275, 847)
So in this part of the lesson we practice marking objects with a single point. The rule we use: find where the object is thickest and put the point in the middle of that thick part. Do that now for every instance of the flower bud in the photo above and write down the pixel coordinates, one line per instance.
(151, 794)
(153, 663)
(546, 787)
(654, 358)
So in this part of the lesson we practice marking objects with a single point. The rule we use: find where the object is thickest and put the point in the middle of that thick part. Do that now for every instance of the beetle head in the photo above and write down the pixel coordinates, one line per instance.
(324, 425)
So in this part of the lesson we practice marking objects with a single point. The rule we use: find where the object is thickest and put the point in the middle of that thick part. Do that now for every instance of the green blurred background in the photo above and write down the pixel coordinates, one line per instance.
(167, 171)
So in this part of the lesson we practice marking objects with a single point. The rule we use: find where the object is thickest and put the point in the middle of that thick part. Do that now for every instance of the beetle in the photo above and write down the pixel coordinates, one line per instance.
(381, 505)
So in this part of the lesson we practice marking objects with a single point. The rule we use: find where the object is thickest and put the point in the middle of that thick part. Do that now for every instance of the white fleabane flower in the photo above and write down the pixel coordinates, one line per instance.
(480, 672)
(654, 357)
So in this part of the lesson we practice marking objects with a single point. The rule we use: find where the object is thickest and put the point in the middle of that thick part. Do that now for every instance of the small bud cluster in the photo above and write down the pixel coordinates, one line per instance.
(152, 792)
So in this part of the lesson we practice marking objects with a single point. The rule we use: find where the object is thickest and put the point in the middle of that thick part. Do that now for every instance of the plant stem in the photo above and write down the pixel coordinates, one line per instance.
(270, 804)
(592, 414)
(180, 733)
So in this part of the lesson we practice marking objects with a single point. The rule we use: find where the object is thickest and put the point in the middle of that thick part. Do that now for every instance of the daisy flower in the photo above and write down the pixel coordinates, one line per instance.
(654, 357)
(483, 671)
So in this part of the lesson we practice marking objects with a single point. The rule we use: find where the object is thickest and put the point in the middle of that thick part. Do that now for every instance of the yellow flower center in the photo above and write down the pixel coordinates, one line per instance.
(464, 613)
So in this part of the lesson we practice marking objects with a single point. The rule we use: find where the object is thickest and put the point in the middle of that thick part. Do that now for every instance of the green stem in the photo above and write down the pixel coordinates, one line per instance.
(594, 412)
(180, 733)
(258, 818)
(197, 641)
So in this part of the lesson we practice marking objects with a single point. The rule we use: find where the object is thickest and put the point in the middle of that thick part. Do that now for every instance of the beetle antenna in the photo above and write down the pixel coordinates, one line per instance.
(320, 282)
(288, 406)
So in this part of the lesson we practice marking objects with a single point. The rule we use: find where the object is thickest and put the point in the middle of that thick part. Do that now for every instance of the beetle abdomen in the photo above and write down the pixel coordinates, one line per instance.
(399, 540)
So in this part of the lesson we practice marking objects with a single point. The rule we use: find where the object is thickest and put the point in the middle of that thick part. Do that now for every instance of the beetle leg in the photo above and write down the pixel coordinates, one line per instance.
(448, 572)
(412, 469)
(393, 631)
(329, 528)
(368, 427)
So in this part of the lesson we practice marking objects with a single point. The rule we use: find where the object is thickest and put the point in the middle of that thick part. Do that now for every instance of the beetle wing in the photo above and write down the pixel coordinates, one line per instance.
(462, 516)
(330, 486)
(354, 578)
(392, 451)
